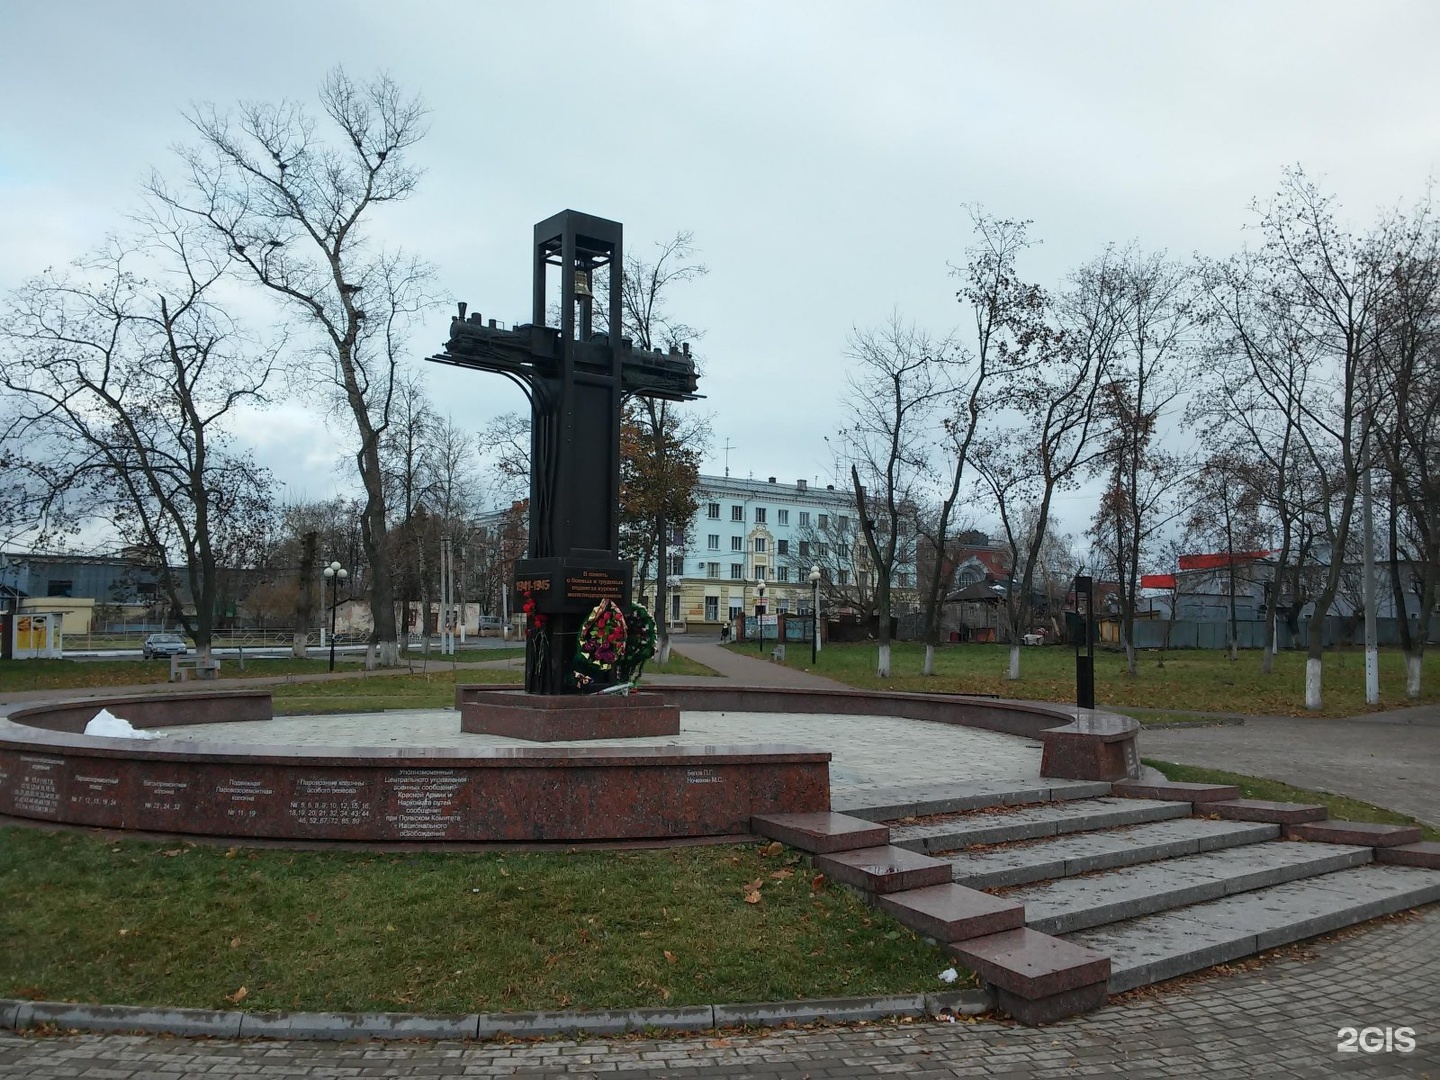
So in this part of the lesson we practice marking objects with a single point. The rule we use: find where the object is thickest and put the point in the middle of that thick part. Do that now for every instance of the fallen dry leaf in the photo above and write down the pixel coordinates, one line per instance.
(234, 942)
(781, 875)
(752, 897)
(669, 956)
(230, 853)
(239, 995)
(664, 994)
(173, 852)
(817, 883)
(772, 849)
(753, 885)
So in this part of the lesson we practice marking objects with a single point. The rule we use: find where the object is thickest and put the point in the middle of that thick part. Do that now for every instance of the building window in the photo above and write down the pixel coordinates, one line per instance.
(58, 587)
(904, 581)
(843, 576)
(712, 569)
(675, 607)
(822, 550)
(677, 537)
(759, 515)
(677, 565)
(824, 521)
(759, 572)
(782, 573)
(736, 607)
(784, 607)
(760, 544)
(804, 548)
(737, 571)
(712, 510)
(844, 521)
(782, 547)
(712, 609)
(782, 517)
(713, 541)
(737, 543)
(737, 513)
(804, 518)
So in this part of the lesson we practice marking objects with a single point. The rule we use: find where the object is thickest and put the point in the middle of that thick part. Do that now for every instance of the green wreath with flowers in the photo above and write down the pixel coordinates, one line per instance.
(639, 643)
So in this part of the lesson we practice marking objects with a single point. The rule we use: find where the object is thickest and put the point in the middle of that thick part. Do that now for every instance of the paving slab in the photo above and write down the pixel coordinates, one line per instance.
(821, 833)
(1426, 854)
(1284, 813)
(884, 869)
(1031, 964)
(1354, 832)
(1162, 946)
(947, 913)
(1175, 790)
(1079, 853)
(891, 802)
(1030, 822)
(1070, 904)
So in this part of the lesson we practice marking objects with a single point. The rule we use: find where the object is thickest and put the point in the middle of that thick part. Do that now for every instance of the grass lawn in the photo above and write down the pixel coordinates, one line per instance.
(1191, 680)
(1341, 807)
(84, 919)
(85, 674)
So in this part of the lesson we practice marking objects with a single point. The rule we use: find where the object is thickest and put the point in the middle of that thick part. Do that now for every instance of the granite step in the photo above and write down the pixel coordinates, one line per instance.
(1078, 903)
(885, 869)
(894, 802)
(821, 832)
(1081, 853)
(1032, 822)
(1162, 946)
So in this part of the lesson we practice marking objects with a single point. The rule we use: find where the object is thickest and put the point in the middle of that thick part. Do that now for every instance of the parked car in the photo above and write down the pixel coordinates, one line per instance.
(158, 645)
(490, 625)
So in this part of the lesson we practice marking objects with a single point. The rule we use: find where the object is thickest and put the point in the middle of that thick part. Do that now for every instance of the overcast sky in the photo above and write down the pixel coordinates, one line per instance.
(822, 154)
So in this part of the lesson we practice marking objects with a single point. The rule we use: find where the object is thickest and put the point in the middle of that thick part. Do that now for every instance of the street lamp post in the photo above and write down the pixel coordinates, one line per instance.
(760, 613)
(815, 616)
(1085, 661)
(334, 573)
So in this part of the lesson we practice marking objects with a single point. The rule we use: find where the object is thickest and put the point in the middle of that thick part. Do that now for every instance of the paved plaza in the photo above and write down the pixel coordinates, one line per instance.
(871, 753)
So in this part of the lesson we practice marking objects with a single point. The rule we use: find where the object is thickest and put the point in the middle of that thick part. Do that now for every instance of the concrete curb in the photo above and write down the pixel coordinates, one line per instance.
(23, 1015)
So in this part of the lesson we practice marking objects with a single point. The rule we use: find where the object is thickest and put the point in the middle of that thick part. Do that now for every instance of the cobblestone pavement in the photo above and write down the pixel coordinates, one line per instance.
(1389, 759)
(1281, 1018)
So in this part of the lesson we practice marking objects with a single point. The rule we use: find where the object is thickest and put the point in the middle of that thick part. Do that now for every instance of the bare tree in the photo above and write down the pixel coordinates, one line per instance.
(1047, 436)
(127, 388)
(671, 439)
(1152, 301)
(891, 400)
(1006, 313)
(1333, 285)
(293, 211)
(1407, 423)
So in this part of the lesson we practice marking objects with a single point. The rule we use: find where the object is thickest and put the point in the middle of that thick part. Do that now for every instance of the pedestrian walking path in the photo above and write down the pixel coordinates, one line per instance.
(745, 669)
(1390, 759)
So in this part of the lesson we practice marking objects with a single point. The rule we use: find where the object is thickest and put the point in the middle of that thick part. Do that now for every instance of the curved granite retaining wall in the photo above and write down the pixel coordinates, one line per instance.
(50, 772)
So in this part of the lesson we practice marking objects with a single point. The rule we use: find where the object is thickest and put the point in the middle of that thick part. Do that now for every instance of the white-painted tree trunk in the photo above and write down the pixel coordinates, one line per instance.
(662, 652)
(929, 666)
(1014, 663)
(1412, 676)
(882, 669)
(1312, 685)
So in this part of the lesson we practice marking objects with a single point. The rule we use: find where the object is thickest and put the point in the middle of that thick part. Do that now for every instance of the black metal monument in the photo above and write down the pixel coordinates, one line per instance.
(577, 379)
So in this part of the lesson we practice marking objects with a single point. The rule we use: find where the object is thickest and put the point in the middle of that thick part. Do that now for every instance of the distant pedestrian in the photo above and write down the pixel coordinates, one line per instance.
(725, 634)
